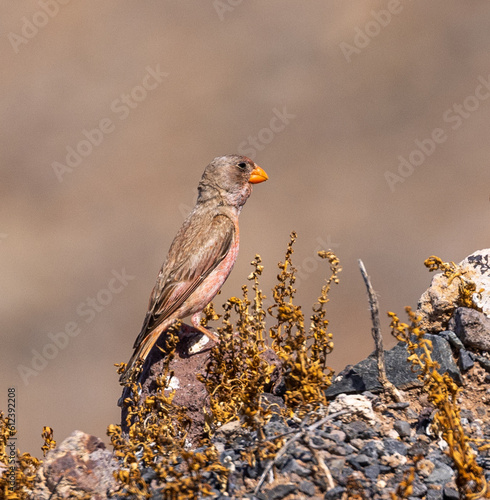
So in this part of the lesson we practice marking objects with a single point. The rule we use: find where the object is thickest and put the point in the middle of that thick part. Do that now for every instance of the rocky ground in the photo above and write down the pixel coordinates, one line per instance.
(362, 445)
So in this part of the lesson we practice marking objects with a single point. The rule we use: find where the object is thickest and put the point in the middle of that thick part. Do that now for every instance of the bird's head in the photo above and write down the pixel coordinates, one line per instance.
(230, 178)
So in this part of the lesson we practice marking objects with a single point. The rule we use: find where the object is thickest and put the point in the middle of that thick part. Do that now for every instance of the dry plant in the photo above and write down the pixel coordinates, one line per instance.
(157, 441)
(238, 373)
(236, 377)
(303, 352)
(443, 394)
(466, 287)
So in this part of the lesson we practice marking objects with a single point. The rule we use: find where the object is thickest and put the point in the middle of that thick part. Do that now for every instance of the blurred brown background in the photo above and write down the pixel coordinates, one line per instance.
(217, 73)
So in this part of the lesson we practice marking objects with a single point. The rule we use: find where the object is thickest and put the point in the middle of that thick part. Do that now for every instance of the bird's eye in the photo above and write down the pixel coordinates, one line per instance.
(242, 165)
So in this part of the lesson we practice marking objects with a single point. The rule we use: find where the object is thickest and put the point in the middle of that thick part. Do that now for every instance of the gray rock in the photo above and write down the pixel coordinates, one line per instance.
(434, 495)
(481, 411)
(372, 449)
(336, 466)
(484, 362)
(450, 494)
(403, 428)
(336, 435)
(472, 327)
(364, 460)
(307, 487)
(280, 491)
(392, 446)
(412, 415)
(441, 474)
(358, 430)
(335, 493)
(419, 488)
(452, 338)
(317, 442)
(419, 448)
(464, 361)
(303, 455)
(364, 375)
(372, 472)
(293, 466)
(467, 414)
(398, 406)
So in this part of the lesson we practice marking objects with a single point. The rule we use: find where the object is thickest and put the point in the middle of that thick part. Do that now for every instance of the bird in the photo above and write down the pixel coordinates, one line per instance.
(201, 255)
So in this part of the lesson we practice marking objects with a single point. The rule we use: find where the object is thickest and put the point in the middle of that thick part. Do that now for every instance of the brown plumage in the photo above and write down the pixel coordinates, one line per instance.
(202, 254)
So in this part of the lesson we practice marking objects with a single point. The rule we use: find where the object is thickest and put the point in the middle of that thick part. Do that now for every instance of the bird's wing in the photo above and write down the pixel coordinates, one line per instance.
(184, 271)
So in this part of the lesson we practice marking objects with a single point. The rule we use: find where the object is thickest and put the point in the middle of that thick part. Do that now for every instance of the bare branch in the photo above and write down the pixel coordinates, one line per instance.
(378, 339)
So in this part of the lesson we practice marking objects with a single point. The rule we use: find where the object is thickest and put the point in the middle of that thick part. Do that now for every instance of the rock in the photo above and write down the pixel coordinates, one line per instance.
(472, 328)
(481, 411)
(425, 468)
(467, 414)
(372, 449)
(438, 302)
(450, 494)
(336, 466)
(303, 455)
(398, 406)
(411, 414)
(465, 362)
(191, 357)
(358, 430)
(403, 428)
(335, 435)
(307, 487)
(355, 404)
(393, 461)
(434, 495)
(364, 375)
(79, 466)
(441, 474)
(392, 446)
(452, 338)
(293, 466)
(419, 489)
(280, 491)
(360, 461)
(484, 362)
(335, 493)
(372, 472)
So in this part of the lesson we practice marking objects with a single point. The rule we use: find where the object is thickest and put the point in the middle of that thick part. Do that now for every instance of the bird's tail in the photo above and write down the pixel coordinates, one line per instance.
(138, 357)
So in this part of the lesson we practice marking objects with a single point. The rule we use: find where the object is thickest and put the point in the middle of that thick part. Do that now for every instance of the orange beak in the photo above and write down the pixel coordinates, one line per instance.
(257, 175)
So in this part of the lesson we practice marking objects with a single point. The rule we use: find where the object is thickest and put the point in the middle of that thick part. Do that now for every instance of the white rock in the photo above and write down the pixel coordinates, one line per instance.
(438, 302)
(354, 403)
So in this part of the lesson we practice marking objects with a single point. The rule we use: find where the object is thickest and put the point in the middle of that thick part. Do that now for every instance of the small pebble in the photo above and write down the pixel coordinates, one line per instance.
(403, 428)
(307, 488)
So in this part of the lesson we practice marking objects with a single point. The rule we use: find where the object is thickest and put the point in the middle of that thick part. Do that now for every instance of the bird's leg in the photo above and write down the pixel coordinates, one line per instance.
(196, 323)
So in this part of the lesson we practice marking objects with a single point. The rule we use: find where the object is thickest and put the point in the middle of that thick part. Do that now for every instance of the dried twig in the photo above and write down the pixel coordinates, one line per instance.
(321, 464)
(378, 339)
